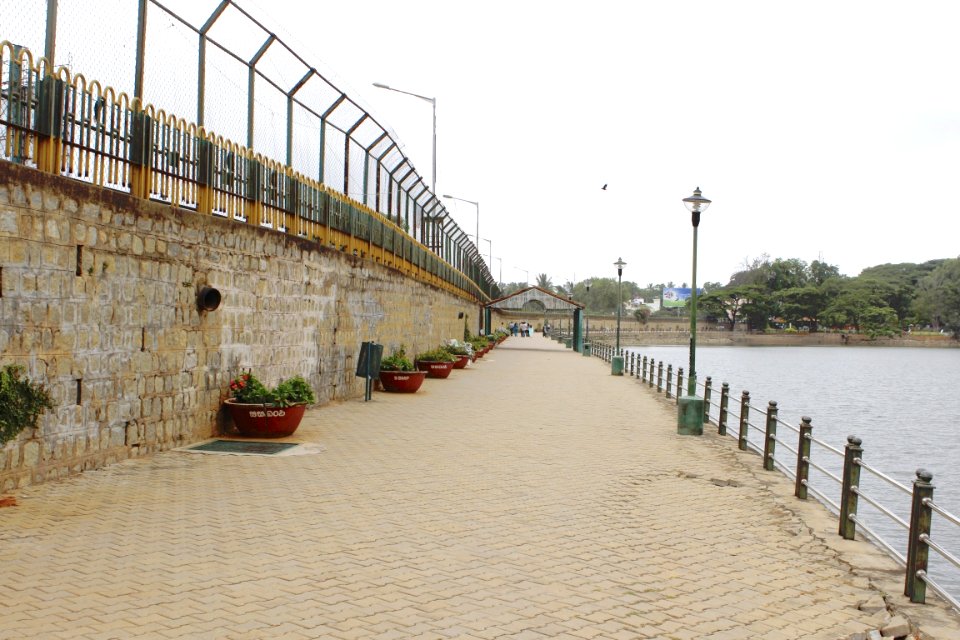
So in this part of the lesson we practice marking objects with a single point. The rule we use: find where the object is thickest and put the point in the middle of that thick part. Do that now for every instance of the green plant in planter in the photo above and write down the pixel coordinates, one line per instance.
(247, 389)
(437, 355)
(458, 348)
(21, 402)
(479, 342)
(396, 362)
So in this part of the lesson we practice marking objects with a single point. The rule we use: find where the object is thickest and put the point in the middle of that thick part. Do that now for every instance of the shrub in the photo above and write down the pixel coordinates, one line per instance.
(437, 355)
(21, 402)
(398, 361)
(247, 389)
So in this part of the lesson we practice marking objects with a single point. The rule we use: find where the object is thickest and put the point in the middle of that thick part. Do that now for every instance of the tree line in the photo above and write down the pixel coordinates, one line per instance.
(883, 300)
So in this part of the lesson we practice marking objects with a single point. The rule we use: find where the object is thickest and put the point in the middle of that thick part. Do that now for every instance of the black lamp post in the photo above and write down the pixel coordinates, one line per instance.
(619, 264)
(616, 362)
(586, 319)
(690, 417)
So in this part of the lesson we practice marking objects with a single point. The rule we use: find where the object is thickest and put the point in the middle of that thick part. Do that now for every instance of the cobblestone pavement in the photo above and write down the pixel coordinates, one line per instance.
(531, 495)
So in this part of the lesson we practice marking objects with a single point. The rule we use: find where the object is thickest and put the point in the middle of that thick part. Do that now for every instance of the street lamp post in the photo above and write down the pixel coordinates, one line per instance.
(616, 363)
(432, 101)
(477, 205)
(586, 322)
(690, 413)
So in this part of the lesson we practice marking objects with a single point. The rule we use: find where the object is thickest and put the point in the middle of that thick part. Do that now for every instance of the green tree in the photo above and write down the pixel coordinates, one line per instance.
(728, 303)
(511, 287)
(898, 284)
(642, 314)
(858, 303)
(759, 308)
(787, 274)
(880, 321)
(820, 272)
(802, 305)
(939, 296)
(543, 281)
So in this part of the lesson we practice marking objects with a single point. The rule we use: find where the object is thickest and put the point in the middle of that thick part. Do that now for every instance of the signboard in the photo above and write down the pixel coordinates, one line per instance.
(677, 296)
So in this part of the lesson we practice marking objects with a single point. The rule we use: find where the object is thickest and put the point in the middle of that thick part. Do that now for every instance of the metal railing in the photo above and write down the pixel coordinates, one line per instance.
(61, 122)
(769, 440)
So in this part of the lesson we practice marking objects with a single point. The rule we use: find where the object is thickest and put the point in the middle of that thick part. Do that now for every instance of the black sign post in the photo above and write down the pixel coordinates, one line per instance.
(368, 365)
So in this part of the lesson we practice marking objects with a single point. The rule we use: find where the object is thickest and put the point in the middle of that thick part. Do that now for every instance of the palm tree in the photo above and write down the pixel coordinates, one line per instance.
(543, 281)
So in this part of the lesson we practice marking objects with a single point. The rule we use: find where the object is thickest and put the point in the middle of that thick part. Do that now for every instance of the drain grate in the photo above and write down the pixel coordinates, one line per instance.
(244, 446)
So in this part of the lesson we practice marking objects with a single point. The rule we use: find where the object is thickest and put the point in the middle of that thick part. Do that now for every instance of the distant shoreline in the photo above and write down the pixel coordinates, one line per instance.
(737, 338)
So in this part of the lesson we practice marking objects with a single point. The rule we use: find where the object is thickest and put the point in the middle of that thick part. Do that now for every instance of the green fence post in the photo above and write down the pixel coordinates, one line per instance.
(744, 420)
(724, 401)
(770, 438)
(707, 390)
(669, 375)
(803, 458)
(849, 497)
(917, 549)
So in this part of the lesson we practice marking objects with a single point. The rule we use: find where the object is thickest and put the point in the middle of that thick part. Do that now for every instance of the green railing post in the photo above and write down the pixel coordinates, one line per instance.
(643, 369)
(679, 383)
(803, 458)
(724, 400)
(852, 453)
(660, 376)
(650, 379)
(744, 420)
(669, 375)
(707, 389)
(770, 439)
(917, 548)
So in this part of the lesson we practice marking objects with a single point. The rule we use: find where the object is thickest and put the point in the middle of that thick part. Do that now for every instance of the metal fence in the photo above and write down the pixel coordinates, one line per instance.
(863, 502)
(312, 161)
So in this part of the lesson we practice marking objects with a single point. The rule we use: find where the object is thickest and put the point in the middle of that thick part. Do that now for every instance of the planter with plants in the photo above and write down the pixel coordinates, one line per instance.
(397, 373)
(462, 350)
(438, 363)
(259, 412)
(480, 345)
(21, 402)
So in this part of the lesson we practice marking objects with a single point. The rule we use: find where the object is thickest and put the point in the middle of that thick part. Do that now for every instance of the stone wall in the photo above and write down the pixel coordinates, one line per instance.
(98, 300)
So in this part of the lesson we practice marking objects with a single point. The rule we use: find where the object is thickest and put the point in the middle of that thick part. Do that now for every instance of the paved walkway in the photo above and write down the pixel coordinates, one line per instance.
(529, 496)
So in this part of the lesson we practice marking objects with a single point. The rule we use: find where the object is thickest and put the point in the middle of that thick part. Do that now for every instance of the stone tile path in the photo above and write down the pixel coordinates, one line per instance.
(529, 496)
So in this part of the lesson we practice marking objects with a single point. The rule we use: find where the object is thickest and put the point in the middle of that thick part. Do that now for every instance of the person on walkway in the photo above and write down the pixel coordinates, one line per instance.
(524, 329)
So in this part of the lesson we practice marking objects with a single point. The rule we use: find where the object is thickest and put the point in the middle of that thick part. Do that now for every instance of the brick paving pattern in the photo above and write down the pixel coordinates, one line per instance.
(528, 496)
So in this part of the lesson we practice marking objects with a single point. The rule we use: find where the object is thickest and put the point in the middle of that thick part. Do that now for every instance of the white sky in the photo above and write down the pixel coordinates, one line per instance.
(821, 130)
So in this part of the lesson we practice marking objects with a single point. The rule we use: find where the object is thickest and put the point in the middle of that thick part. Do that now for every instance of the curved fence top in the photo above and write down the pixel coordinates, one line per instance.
(217, 66)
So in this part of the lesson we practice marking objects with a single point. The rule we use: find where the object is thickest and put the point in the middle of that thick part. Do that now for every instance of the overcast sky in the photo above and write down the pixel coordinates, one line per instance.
(820, 130)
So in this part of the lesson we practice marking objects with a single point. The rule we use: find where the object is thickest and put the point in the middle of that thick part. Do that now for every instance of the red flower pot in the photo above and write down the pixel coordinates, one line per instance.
(435, 369)
(263, 420)
(461, 362)
(402, 381)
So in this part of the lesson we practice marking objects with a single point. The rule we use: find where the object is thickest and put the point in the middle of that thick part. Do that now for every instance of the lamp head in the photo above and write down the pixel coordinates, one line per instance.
(619, 264)
(380, 85)
(697, 204)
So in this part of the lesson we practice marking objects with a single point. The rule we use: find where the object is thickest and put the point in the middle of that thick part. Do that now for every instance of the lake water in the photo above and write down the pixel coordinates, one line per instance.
(902, 402)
